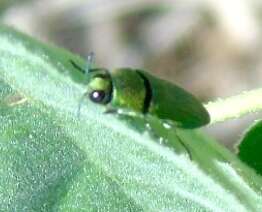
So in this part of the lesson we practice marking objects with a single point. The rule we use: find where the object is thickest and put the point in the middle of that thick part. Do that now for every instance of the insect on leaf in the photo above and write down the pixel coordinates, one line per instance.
(51, 160)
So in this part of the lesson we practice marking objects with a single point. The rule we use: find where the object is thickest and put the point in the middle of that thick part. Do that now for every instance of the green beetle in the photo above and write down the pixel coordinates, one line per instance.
(134, 92)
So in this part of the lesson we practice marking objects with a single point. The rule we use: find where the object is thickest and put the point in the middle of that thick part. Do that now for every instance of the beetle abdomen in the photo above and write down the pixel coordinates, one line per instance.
(170, 102)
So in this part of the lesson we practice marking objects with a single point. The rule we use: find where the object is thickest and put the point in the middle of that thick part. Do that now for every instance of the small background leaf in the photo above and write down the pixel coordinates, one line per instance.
(250, 147)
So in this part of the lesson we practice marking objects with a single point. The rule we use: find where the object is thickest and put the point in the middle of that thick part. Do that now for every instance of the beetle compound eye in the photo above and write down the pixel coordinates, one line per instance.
(97, 96)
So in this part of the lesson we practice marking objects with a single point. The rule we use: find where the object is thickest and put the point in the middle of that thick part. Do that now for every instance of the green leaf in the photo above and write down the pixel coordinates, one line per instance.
(250, 147)
(53, 161)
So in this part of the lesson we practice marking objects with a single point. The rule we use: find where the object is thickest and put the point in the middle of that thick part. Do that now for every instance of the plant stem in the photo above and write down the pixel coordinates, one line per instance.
(235, 106)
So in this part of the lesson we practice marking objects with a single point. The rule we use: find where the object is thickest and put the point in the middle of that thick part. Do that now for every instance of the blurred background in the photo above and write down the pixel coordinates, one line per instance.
(211, 48)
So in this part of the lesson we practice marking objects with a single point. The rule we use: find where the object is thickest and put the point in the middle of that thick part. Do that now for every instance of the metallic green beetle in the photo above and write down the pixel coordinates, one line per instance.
(131, 91)
(134, 92)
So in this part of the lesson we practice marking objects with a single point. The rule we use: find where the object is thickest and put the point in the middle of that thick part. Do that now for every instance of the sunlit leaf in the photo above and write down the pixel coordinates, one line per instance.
(51, 160)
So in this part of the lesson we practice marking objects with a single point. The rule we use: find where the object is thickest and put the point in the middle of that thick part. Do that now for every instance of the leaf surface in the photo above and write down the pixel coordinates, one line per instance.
(53, 161)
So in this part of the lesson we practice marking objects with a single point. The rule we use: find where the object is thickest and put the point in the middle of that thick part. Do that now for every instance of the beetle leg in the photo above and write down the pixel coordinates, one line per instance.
(168, 125)
(121, 111)
(110, 111)
(154, 126)
(184, 145)
(130, 113)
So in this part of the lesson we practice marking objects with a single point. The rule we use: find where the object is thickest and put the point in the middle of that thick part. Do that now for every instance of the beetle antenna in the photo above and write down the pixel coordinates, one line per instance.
(77, 67)
(80, 104)
(90, 61)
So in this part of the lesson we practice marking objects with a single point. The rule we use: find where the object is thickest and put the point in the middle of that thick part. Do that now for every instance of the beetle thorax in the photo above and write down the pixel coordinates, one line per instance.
(128, 90)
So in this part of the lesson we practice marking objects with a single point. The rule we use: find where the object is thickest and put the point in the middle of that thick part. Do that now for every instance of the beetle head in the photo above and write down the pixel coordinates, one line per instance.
(99, 89)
